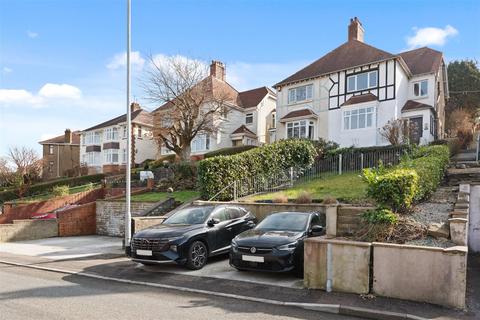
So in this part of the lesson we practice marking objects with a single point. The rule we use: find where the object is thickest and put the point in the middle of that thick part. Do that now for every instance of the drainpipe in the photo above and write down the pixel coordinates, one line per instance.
(329, 267)
(58, 161)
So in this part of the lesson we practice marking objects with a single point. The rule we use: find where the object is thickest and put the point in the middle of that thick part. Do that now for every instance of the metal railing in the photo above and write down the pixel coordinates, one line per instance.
(347, 162)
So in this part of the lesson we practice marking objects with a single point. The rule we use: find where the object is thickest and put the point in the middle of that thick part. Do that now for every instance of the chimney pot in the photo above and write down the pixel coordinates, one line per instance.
(134, 106)
(217, 70)
(355, 30)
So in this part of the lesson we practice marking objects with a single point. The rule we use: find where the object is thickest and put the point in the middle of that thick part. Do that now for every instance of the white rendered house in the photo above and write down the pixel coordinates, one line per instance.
(103, 147)
(249, 120)
(349, 94)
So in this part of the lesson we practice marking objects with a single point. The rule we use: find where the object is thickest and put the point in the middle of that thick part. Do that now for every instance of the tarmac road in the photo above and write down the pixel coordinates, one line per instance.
(36, 294)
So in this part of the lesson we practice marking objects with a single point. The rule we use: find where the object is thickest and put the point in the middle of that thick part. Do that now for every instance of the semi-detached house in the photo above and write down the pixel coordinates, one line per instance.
(103, 147)
(349, 94)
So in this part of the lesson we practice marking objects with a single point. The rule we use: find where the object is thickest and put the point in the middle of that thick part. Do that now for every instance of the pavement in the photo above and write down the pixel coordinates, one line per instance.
(101, 258)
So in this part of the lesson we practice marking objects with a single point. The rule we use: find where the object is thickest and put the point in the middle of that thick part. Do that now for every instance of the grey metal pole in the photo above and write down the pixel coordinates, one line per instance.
(129, 134)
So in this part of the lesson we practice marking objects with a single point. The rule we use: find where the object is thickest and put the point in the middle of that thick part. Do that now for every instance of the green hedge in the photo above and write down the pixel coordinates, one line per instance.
(414, 179)
(368, 149)
(228, 151)
(216, 173)
(45, 187)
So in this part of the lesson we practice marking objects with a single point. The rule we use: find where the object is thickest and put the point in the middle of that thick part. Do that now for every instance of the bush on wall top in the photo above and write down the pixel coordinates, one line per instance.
(216, 173)
(228, 151)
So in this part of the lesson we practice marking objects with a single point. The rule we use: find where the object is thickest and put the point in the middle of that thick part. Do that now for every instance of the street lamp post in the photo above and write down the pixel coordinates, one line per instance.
(129, 134)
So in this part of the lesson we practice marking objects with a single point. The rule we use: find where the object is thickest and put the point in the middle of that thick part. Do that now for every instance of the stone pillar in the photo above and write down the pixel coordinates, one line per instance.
(331, 219)
(459, 230)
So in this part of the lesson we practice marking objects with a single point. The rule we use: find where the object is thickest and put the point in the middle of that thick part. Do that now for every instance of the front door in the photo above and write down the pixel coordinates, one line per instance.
(415, 129)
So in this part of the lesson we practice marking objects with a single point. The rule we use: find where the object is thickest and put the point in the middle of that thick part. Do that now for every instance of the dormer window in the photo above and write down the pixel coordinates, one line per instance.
(420, 88)
(362, 81)
(299, 94)
(249, 118)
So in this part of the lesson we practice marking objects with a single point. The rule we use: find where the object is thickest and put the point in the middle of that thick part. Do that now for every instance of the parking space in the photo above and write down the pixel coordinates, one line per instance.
(218, 267)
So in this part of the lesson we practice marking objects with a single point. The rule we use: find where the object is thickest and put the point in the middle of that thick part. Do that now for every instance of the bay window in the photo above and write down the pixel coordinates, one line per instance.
(91, 158)
(300, 129)
(110, 134)
(299, 94)
(201, 142)
(362, 81)
(358, 118)
(111, 156)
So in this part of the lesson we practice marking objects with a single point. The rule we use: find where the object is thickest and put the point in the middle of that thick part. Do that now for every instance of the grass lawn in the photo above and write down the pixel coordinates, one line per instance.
(47, 196)
(181, 196)
(347, 187)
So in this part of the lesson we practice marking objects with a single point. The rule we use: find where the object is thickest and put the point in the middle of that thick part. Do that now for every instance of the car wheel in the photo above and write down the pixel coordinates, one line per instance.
(197, 255)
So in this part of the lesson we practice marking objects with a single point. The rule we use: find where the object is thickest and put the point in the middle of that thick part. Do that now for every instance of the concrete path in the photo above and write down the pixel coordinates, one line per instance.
(474, 220)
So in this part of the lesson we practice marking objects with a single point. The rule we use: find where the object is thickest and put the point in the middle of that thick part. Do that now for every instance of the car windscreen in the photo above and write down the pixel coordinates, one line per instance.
(284, 222)
(194, 215)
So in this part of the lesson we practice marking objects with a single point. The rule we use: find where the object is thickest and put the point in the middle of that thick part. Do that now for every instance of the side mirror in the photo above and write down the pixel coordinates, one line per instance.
(251, 224)
(316, 230)
(212, 222)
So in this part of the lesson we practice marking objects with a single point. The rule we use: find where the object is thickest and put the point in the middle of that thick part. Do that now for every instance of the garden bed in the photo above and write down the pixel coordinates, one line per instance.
(153, 196)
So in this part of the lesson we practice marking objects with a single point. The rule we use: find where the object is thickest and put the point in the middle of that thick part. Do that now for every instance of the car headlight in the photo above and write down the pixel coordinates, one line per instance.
(175, 239)
(234, 246)
(174, 247)
(288, 246)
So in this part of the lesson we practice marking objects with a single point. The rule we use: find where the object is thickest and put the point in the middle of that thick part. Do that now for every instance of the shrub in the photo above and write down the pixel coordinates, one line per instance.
(214, 174)
(160, 162)
(328, 200)
(281, 198)
(304, 197)
(396, 188)
(323, 147)
(352, 149)
(380, 215)
(60, 191)
(228, 151)
(89, 186)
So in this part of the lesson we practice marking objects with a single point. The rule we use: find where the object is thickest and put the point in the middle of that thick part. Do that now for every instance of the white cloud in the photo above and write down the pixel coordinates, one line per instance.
(52, 90)
(48, 94)
(431, 36)
(7, 70)
(120, 60)
(32, 34)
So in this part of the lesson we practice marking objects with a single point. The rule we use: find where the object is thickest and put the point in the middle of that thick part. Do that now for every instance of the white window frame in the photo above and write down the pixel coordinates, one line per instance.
(92, 137)
(200, 143)
(91, 158)
(369, 86)
(249, 118)
(354, 115)
(110, 156)
(309, 132)
(124, 132)
(293, 94)
(274, 120)
(110, 134)
(419, 83)
(51, 149)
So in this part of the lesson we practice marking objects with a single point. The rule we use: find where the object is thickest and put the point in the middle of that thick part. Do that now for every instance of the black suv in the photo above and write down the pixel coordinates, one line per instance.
(276, 243)
(191, 235)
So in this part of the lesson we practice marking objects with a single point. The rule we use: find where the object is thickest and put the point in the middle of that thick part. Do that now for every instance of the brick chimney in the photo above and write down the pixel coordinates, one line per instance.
(135, 106)
(68, 136)
(217, 70)
(355, 30)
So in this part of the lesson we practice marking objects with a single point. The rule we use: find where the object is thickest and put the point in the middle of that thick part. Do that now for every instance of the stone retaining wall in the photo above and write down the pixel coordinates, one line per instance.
(140, 223)
(28, 230)
(349, 219)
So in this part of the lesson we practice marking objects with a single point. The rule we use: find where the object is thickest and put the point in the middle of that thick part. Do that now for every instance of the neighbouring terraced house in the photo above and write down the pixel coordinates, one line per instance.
(249, 121)
(103, 147)
(349, 94)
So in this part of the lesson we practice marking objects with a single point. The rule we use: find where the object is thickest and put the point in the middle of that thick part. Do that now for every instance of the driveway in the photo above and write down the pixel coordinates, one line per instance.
(72, 248)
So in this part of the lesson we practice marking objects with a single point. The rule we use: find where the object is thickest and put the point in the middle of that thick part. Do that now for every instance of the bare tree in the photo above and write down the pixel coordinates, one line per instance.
(28, 168)
(193, 103)
(395, 132)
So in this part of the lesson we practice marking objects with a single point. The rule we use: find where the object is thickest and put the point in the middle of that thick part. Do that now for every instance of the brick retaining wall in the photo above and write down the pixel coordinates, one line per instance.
(77, 221)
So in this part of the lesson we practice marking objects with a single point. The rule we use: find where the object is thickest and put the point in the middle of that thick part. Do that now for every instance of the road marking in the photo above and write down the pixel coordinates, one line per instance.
(327, 308)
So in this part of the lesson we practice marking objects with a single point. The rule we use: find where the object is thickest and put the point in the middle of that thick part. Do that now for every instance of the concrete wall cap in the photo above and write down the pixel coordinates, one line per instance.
(324, 239)
(458, 220)
(240, 203)
(459, 249)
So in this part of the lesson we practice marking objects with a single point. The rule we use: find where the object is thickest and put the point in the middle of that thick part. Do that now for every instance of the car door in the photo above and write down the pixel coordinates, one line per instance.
(222, 231)
(239, 223)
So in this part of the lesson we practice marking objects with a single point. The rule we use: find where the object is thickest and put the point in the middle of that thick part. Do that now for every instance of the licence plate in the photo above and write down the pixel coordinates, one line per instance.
(144, 252)
(253, 258)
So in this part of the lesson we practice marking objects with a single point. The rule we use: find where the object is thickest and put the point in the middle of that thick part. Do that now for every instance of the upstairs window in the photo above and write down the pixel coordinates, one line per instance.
(92, 138)
(299, 94)
(50, 149)
(249, 118)
(420, 88)
(111, 134)
(358, 118)
(274, 120)
(200, 143)
(362, 81)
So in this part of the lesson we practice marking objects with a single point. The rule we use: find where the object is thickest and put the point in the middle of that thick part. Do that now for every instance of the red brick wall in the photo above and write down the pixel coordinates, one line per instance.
(77, 221)
(114, 193)
(14, 210)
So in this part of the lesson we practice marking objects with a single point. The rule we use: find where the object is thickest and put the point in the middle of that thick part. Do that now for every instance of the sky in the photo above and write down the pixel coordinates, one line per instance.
(62, 62)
